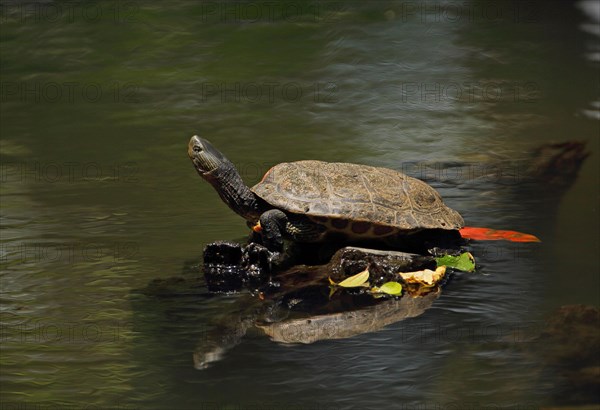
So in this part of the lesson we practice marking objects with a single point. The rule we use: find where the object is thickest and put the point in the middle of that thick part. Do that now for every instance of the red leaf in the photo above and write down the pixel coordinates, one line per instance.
(488, 234)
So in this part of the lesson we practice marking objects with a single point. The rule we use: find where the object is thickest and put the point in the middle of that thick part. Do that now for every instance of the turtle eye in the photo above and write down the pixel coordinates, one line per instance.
(197, 149)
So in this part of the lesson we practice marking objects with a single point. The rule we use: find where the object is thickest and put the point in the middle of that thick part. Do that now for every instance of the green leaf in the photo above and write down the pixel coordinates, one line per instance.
(464, 262)
(376, 293)
(356, 280)
(391, 288)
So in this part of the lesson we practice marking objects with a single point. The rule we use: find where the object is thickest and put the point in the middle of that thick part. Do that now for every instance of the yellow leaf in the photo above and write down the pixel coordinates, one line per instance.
(356, 280)
(425, 276)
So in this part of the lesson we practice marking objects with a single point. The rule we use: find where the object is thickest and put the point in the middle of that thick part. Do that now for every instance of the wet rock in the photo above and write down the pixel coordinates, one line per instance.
(569, 345)
(256, 268)
(557, 164)
(230, 267)
(223, 266)
(383, 265)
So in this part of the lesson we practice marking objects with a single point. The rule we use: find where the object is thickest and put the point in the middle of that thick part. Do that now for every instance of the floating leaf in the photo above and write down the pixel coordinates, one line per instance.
(487, 234)
(391, 288)
(426, 277)
(357, 280)
(464, 262)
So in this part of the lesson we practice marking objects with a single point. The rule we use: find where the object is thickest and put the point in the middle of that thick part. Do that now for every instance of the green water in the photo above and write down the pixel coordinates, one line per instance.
(99, 100)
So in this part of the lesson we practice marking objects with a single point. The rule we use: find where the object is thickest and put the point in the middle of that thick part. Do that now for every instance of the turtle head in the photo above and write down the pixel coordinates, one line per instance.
(205, 157)
(212, 165)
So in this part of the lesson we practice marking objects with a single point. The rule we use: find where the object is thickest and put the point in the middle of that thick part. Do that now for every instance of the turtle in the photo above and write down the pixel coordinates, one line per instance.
(314, 201)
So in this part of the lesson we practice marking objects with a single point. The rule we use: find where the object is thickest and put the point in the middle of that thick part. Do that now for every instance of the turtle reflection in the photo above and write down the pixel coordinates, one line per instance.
(300, 306)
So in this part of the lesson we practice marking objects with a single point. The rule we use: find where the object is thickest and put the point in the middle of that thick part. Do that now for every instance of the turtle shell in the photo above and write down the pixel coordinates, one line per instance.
(338, 194)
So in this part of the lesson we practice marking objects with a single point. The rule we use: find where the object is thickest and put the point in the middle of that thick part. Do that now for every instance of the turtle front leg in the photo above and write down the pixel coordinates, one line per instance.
(275, 225)
(272, 227)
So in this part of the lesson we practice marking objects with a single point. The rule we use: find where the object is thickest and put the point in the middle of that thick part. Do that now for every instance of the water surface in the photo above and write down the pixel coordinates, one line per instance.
(99, 197)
